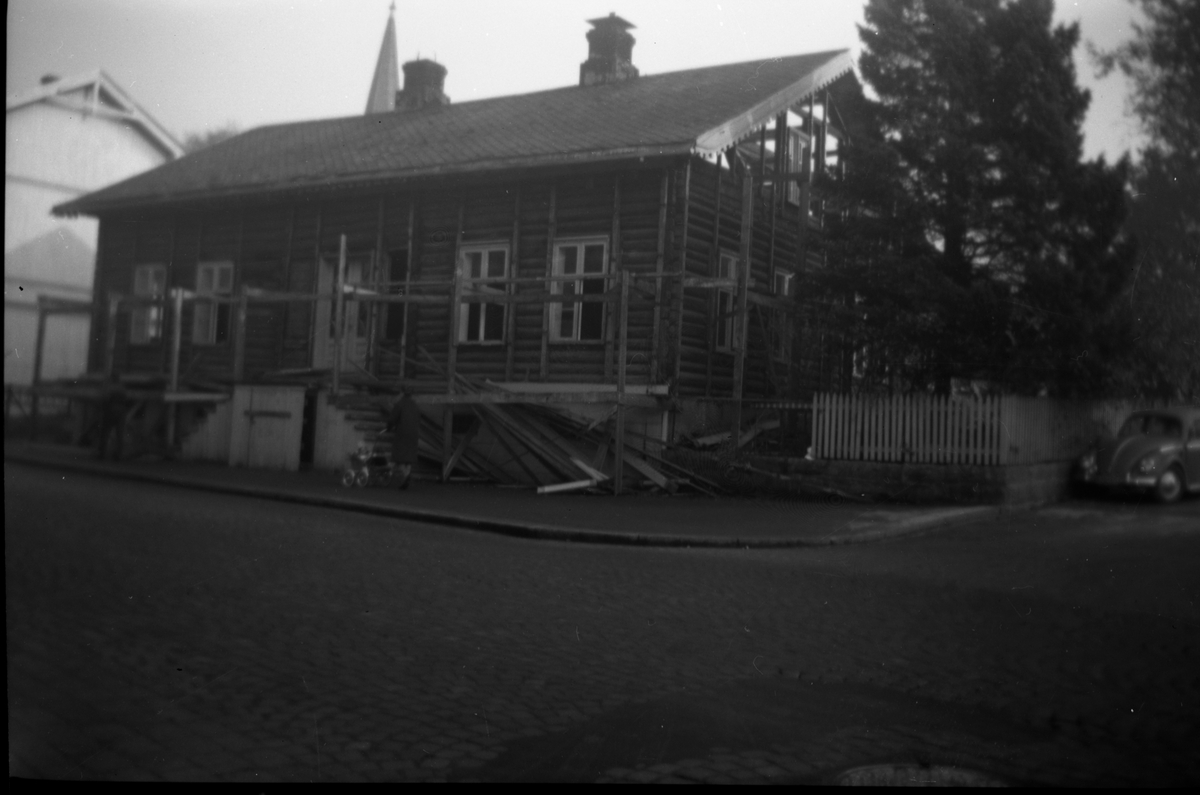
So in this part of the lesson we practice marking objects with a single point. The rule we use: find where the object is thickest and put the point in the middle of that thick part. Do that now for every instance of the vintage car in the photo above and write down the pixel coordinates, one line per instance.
(1156, 451)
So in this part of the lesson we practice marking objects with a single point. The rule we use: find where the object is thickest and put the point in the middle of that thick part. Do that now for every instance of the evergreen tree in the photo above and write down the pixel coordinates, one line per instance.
(1163, 297)
(1011, 258)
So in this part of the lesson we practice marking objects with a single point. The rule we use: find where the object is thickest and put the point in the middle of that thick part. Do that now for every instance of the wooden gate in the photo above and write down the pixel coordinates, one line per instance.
(266, 426)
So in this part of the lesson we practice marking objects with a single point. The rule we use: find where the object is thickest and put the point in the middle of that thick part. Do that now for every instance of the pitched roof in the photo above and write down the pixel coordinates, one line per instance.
(698, 110)
(103, 97)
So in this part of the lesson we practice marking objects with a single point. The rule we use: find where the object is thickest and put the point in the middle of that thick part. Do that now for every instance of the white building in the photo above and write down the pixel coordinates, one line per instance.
(63, 138)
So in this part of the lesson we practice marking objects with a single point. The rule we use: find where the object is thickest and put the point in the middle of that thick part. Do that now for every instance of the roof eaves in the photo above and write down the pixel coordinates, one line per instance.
(733, 130)
(86, 206)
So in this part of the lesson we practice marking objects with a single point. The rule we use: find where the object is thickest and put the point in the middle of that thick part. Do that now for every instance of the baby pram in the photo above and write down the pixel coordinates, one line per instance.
(370, 466)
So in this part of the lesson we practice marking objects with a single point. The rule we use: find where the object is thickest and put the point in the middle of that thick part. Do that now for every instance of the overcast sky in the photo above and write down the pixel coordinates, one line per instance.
(200, 64)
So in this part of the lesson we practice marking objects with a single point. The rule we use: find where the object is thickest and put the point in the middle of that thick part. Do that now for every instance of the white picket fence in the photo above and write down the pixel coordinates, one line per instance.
(932, 429)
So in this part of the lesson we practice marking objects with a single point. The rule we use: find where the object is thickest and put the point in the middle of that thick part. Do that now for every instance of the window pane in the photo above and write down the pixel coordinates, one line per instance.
(495, 263)
(159, 281)
(591, 321)
(473, 321)
(204, 280)
(474, 264)
(493, 327)
(224, 278)
(566, 327)
(569, 259)
(222, 324)
(593, 259)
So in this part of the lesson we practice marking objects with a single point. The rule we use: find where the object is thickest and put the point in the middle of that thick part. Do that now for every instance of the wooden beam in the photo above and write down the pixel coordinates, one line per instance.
(463, 443)
(110, 342)
(287, 284)
(455, 299)
(412, 261)
(739, 321)
(655, 330)
(686, 201)
(339, 303)
(373, 312)
(510, 312)
(239, 337)
(537, 398)
(170, 279)
(544, 367)
(714, 259)
(619, 441)
(575, 485)
(314, 332)
(614, 267)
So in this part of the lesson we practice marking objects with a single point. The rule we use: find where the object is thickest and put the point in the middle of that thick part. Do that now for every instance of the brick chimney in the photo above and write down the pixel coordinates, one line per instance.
(610, 52)
(423, 82)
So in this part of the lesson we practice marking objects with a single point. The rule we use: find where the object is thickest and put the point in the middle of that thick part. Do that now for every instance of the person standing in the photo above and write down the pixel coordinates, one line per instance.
(113, 407)
(404, 423)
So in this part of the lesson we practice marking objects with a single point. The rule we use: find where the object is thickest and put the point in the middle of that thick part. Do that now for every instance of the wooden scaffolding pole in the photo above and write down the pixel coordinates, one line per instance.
(339, 300)
(176, 338)
(623, 352)
(544, 368)
(740, 318)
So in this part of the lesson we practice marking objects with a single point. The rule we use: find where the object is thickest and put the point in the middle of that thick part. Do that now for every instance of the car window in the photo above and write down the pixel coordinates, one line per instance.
(1134, 426)
(1152, 425)
(1164, 426)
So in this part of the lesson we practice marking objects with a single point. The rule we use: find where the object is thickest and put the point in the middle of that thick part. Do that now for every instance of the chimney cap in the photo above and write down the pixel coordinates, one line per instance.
(612, 20)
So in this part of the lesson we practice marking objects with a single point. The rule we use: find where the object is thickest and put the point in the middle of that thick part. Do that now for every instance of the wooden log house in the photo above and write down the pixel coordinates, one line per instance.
(633, 242)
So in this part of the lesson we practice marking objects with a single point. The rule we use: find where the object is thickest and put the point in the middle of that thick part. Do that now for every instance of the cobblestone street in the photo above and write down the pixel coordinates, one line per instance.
(157, 633)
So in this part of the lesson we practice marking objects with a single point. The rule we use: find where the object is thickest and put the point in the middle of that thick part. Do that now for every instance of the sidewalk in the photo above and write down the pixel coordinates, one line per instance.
(632, 520)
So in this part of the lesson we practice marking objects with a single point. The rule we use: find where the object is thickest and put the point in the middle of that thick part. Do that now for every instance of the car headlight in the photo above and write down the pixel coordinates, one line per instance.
(1146, 466)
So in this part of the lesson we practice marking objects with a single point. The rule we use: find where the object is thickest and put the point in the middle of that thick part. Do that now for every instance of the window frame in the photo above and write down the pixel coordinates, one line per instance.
(798, 151)
(723, 319)
(482, 285)
(557, 287)
(146, 321)
(217, 314)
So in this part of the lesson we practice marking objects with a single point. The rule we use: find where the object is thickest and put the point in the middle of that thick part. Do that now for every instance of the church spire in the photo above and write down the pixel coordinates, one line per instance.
(386, 81)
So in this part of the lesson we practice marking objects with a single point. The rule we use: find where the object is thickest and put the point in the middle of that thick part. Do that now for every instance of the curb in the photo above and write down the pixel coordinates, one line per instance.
(526, 530)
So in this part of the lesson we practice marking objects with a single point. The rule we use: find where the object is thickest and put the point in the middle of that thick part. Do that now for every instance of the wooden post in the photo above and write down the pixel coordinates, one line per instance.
(339, 300)
(452, 349)
(169, 278)
(110, 333)
(658, 280)
(544, 368)
(377, 267)
(39, 343)
(510, 310)
(316, 336)
(287, 287)
(679, 298)
(239, 339)
(739, 319)
(176, 335)
(614, 267)
(412, 260)
(623, 351)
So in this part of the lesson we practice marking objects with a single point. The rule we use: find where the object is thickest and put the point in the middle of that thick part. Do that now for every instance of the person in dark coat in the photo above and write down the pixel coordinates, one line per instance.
(404, 423)
(113, 407)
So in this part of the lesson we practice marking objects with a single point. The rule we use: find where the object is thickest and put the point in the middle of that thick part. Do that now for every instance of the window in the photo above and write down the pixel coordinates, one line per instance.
(727, 269)
(149, 282)
(483, 270)
(579, 321)
(210, 323)
(783, 283)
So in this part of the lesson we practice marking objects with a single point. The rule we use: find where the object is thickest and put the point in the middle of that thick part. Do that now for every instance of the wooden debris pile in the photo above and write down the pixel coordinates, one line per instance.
(531, 445)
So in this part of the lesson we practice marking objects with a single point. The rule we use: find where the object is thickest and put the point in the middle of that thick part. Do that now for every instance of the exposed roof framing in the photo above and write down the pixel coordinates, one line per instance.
(698, 111)
(104, 98)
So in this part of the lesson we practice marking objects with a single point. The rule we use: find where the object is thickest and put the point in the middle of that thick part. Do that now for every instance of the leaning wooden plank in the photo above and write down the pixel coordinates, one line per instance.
(595, 473)
(458, 451)
(572, 486)
(651, 474)
(554, 461)
(501, 437)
